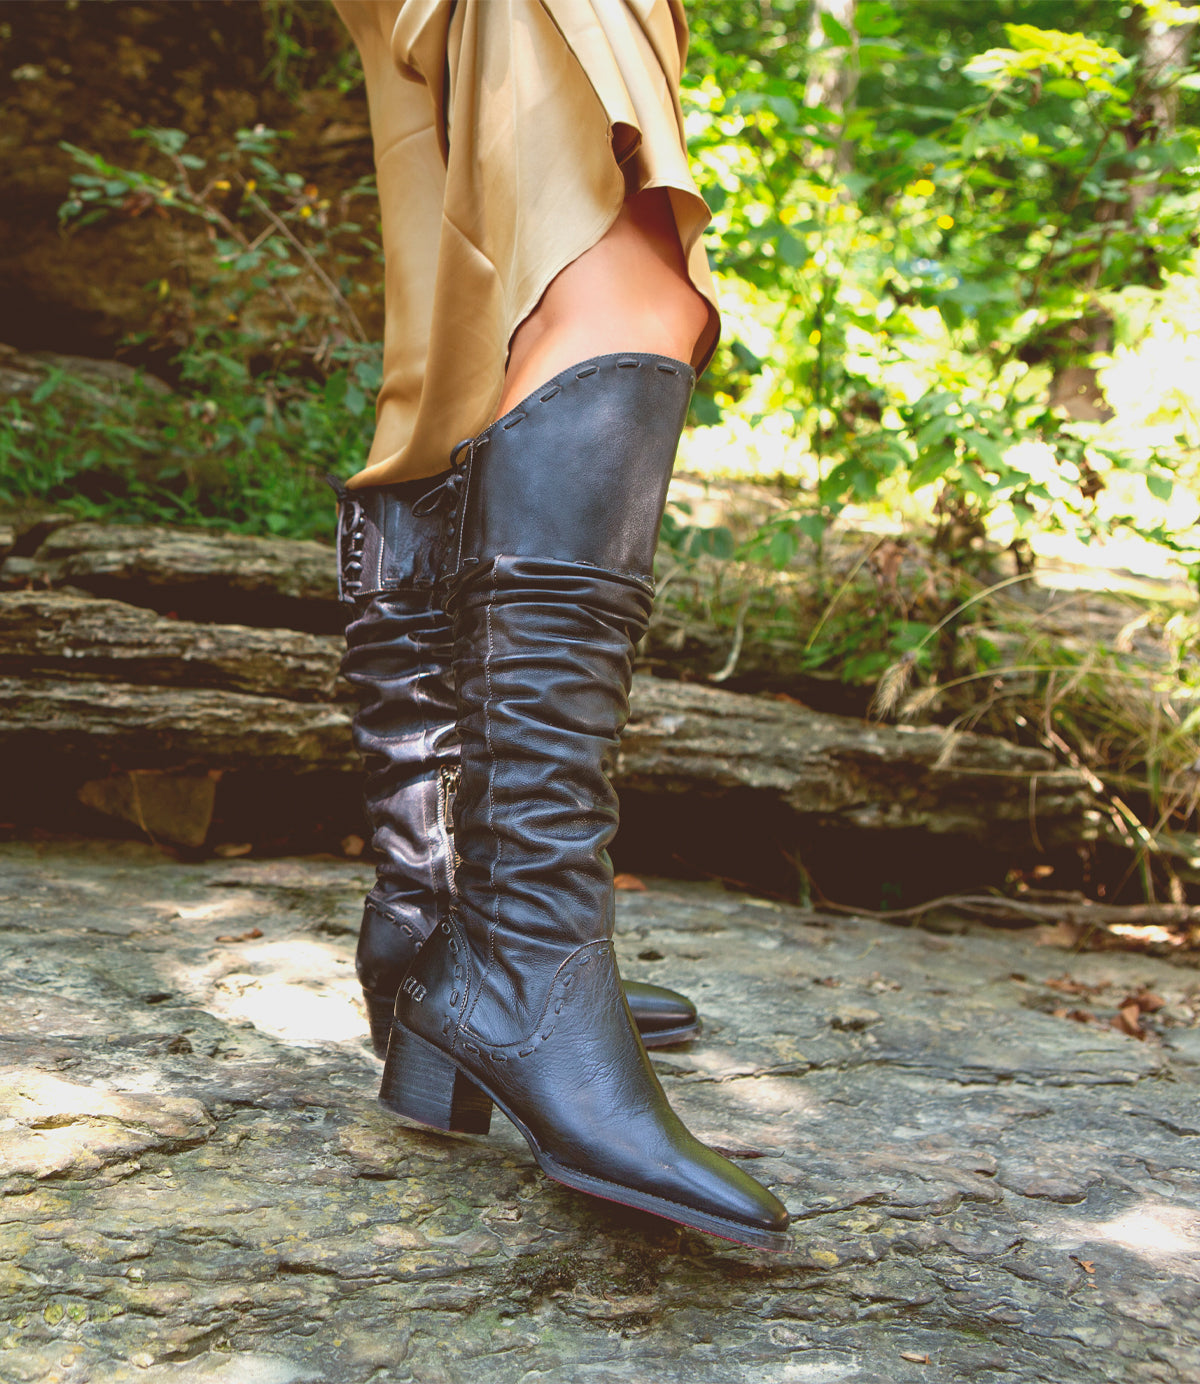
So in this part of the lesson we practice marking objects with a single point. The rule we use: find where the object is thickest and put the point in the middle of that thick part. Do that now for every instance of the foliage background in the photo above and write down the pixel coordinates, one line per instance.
(958, 254)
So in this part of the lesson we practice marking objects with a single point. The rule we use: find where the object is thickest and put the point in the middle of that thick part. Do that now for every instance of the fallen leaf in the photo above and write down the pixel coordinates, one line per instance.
(1080, 1016)
(1067, 986)
(630, 882)
(914, 1357)
(229, 850)
(1146, 1000)
(1128, 1020)
(242, 936)
(1086, 1265)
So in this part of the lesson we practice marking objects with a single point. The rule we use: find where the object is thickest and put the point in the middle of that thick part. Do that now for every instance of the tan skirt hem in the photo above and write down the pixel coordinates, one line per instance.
(494, 123)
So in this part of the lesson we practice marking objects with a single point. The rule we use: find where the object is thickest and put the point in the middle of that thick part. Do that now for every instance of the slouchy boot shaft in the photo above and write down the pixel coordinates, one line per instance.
(574, 479)
(391, 549)
(398, 657)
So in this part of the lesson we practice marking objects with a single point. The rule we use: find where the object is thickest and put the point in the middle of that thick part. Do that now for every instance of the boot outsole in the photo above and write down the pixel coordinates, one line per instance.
(424, 1084)
(380, 1012)
(669, 1037)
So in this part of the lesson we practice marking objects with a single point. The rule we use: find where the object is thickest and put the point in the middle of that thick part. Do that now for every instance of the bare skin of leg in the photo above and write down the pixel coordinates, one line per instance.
(629, 292)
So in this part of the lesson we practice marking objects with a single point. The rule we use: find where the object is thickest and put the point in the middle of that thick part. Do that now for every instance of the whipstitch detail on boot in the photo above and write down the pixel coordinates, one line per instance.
(558, 1005)
(504, 423)
(388, 916)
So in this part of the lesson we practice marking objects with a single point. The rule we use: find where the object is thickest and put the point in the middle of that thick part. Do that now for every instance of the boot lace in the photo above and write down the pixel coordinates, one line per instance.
(447, 495)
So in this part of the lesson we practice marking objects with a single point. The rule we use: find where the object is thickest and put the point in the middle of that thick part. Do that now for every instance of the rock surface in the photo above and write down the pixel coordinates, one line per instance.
(288, 583)
(93, 75)
(201, 1187)
(69, 633)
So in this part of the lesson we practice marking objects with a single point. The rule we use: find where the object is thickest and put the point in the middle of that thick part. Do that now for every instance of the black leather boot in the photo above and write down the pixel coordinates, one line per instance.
(398, 656)
(516, 999)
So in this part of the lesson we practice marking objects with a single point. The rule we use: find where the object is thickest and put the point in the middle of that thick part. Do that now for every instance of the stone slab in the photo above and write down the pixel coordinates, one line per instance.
(199, 1185)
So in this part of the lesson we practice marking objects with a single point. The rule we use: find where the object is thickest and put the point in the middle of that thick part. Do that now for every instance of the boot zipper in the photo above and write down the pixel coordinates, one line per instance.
(447, 788)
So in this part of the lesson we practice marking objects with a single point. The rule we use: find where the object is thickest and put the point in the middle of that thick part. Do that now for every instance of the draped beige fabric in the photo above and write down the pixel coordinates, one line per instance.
(507, 134)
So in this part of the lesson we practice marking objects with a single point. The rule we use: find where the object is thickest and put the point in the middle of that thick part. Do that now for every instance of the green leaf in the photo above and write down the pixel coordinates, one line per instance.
(781, 549)
(987, 655)
(165, 141)
(1065, 86)
(717, 542)
(1160, 486)
(335, 389)
(835, 31)
(705, 411)
(931, 466)
(911, 635)
(44, 390)
(952, 314)
(985, 449)
(785, 108)
(934, 431)
(975, 484)
(876, 19)
(791, 251)
(812, 526)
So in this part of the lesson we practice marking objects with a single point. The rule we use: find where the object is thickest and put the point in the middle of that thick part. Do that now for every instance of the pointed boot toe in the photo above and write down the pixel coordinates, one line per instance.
(663, 1017)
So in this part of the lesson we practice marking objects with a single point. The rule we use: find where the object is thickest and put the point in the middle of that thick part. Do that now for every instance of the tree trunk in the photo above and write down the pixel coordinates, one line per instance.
(833, 73)
(1164, 50)
(833, 68)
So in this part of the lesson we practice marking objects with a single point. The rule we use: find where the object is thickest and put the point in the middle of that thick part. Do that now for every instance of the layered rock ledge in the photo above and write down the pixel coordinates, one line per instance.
(187, 683)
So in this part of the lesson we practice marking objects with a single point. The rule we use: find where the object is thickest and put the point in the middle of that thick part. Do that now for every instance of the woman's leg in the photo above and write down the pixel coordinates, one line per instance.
(516, 999)
(629, 292)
